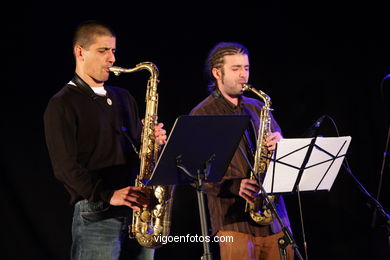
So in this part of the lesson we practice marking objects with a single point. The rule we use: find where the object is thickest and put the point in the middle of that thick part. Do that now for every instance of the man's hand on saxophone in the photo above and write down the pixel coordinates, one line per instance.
(133, 197)
(249, 187)
(272, 140)
(160, 134)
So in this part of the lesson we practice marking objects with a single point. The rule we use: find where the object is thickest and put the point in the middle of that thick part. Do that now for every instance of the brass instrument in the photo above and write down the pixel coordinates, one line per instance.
(259, 211)
(155, 220)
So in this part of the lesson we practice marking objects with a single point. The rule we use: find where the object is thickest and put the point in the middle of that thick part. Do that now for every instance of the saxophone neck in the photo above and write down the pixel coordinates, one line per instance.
(151, 67)
(266, 99)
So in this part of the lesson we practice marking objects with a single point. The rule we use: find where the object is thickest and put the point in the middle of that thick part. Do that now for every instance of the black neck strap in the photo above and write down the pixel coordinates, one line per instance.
(83, 86)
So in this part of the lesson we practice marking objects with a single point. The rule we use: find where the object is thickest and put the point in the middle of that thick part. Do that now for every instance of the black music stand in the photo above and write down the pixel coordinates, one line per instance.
(199, 149)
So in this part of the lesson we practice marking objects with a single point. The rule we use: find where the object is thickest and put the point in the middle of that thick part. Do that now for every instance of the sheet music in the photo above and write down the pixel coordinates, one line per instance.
(320, 172)
(336, 146)
(285, 175)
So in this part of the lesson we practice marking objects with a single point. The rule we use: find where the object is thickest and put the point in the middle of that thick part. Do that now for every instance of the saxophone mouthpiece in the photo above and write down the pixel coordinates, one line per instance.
(116, 70)
(246, 87)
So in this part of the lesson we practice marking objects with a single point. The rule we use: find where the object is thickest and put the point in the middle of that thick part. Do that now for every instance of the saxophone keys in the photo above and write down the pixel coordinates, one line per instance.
(145, 216)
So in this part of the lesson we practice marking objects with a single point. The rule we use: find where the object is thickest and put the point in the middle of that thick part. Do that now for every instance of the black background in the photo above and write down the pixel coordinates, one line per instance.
(310, 58)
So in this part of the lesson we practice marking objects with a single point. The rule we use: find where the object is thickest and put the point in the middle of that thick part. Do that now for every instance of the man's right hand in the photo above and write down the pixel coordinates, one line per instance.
(133, 197)
(249, 189)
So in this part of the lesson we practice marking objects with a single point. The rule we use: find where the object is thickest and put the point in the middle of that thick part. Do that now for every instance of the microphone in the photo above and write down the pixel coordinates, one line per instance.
(312, 130)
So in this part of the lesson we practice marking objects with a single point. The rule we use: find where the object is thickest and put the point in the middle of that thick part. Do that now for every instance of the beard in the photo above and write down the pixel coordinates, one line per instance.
(233, 89)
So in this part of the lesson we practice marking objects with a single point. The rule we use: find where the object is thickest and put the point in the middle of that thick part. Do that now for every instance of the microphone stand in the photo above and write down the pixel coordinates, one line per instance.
(287, 239)
(373, 201)
(380, 180)
(385, 153)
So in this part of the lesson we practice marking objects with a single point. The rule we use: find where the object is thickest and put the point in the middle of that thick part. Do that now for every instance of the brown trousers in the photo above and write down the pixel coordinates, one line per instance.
(245, 246)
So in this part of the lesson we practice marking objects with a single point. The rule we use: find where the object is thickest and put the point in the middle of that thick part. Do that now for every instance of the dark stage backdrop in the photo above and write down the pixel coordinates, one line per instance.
(312, 59)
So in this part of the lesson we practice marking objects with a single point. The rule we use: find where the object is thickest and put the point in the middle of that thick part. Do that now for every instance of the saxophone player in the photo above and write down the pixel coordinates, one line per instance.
(92, 133)
(227, 66)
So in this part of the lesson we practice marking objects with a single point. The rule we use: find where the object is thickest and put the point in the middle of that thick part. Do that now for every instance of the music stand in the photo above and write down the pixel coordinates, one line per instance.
(199, 149)
(302, 164)
(305, 164)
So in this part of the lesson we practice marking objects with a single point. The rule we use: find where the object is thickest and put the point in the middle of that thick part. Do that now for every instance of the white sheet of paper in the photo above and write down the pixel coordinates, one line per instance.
(320, 171)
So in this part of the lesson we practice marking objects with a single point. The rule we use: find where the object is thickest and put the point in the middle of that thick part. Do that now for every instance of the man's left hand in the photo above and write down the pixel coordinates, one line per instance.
(272, 139)
(160, 134)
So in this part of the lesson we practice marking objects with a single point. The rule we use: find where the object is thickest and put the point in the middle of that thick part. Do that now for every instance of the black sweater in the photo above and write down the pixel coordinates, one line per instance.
(87, 143)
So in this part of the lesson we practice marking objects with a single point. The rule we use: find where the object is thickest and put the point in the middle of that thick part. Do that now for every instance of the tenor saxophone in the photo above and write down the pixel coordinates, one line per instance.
(259, 211)
(150, 224)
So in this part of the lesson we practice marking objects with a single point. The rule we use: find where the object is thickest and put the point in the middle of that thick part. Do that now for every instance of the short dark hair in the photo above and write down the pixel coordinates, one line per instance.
(215, 59)
(86, 32)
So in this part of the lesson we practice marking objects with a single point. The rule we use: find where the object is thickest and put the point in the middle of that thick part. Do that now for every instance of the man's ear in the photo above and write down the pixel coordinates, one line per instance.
(78, 52)
(217, 73)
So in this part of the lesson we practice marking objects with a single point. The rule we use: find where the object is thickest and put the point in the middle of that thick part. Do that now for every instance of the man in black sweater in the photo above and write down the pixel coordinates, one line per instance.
(92, 133)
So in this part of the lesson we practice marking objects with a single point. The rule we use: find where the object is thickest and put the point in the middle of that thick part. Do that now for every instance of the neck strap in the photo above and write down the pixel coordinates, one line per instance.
(84, 87)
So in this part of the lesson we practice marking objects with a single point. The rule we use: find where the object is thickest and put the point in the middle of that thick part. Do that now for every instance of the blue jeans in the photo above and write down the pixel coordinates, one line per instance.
(100, 232)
